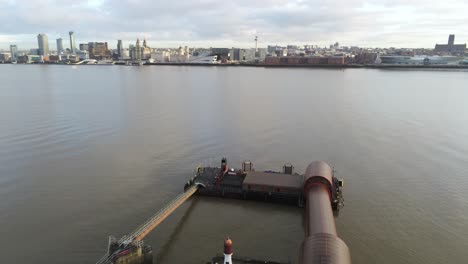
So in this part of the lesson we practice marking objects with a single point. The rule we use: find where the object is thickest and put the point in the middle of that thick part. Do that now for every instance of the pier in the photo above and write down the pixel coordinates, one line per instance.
(318, 190)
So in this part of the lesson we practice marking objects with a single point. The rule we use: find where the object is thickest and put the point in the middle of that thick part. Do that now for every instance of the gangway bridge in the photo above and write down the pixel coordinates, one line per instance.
(135, 238)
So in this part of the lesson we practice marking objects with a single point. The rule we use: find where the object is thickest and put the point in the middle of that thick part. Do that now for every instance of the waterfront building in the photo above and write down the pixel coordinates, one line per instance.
(181, 55)
(125, 54)
(82, 54)
(221, 53)
(13, 51)
(421, 60)
(161, 56)
(336, 60)
(43, 43)
(59, 46)
(450, 47)
(273, 49)
(72, 58)
(250, 55)
(98, 50)
(236, 54)
(22, 58)
(84, 46)
(135, 51)
(31, 59)
(72, 41)
(140, 52)
(366, 58)
(261, 54)
(300, 60)
(119, 48)
(55, 58)
(146, 50)
(292, 47)
(308, 47)
(281, 53)
(5, 57)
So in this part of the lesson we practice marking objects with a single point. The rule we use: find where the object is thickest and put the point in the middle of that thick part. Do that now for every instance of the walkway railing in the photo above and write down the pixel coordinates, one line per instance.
(152, 223)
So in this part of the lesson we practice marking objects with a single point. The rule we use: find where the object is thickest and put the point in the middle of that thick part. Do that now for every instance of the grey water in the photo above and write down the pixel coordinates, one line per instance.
(92, 151)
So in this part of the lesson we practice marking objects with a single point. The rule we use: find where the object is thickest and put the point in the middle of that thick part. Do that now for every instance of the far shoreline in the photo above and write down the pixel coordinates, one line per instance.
(319, 66)
(302, 66)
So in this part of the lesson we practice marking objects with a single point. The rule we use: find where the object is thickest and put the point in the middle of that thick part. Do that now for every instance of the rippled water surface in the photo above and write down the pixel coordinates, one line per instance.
(89, 151)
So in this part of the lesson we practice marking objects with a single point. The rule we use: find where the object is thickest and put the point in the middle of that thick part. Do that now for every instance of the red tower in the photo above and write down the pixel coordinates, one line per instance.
(228, 251)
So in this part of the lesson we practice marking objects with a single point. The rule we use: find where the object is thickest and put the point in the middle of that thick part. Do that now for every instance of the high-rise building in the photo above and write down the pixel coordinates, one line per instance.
(72, 41)
(13, 51)
(119, 48)
(43, 43)
(59, 45)
(137, 50)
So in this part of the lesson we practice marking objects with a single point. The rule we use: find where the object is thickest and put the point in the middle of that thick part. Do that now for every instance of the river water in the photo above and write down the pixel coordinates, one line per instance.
(90, 151)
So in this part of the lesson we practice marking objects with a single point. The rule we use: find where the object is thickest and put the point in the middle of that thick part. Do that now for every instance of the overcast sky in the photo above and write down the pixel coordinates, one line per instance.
(225, 23)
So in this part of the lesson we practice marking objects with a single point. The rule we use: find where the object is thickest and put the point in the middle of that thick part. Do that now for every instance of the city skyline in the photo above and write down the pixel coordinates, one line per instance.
(125, 44)
(209, 23)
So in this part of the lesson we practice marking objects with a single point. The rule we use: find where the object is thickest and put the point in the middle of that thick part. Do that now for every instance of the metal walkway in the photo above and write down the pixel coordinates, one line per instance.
(153, 222)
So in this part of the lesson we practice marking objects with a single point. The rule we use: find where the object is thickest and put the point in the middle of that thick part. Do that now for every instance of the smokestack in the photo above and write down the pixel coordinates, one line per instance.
(227, 251)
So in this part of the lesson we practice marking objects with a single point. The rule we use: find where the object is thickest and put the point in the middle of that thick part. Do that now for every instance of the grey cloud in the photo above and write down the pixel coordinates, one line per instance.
(409, 23)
